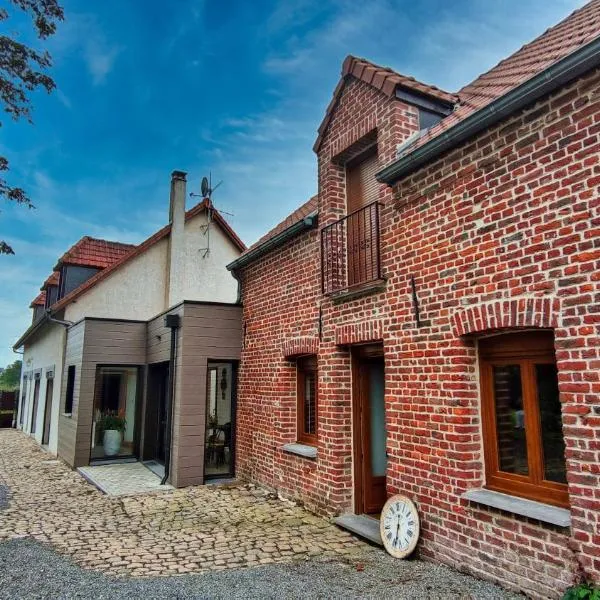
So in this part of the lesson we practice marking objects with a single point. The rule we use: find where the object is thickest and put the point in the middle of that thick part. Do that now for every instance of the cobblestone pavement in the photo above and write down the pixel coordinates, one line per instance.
(196, 529)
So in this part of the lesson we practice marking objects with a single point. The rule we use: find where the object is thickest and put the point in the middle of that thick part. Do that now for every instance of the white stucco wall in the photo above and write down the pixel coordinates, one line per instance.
(45, 352)
(207, 278)
(137, 290)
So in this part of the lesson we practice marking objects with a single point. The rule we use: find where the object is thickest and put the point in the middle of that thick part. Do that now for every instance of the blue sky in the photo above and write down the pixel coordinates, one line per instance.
(233, 87)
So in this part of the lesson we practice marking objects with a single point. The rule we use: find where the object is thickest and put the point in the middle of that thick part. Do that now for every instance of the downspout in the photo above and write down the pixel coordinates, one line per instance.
(172, 322)
(237, 277)
(66, 325)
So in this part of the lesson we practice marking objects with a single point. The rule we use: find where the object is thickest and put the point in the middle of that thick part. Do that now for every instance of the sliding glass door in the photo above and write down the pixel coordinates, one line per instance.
(219, 447)
(115, 412)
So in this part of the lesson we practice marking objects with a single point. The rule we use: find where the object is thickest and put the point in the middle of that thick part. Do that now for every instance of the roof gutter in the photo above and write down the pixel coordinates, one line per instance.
(287, 234)
(561, 72)
(30, 331)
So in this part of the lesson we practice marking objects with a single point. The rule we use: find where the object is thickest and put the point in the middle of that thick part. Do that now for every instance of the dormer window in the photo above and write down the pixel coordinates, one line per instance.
(72, 276)
(428, 118)
(51, 295)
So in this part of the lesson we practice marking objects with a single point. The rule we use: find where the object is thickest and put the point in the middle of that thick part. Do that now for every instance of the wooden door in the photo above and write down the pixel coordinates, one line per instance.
(370, 435)
(362, 190)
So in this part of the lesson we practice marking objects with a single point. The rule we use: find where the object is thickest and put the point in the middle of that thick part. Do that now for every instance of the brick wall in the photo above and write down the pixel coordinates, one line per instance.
(503, 232)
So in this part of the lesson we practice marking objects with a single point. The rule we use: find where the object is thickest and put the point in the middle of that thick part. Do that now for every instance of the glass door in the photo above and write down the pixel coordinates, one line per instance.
(220, 420)
(115, 412)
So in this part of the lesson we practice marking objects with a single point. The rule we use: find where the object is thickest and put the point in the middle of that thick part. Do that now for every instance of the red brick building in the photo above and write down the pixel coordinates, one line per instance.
(429, 323)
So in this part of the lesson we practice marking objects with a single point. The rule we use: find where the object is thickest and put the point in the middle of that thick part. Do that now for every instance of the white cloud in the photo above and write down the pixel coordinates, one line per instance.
(100, 60)
(81, 35)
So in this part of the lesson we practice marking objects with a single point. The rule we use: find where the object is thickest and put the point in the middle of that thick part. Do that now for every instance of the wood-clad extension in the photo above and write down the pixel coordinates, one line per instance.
(207, 332)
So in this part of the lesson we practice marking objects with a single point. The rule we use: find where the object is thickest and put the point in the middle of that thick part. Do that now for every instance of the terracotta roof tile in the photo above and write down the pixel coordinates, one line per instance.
(382, 78)
(52, 279)
(92, 252)
(39, 300)
(578, 29)
(300, 213)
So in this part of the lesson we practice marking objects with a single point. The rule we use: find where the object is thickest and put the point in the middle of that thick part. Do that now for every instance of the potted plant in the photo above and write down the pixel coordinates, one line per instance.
(111, 425)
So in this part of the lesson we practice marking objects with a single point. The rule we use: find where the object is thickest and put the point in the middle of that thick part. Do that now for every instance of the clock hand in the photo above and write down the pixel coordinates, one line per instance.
(397, 531)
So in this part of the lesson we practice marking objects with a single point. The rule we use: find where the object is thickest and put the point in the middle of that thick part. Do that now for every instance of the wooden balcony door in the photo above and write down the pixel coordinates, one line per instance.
(362, 190)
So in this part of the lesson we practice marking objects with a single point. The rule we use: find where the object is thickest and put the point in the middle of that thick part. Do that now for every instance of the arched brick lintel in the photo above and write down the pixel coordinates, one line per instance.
(359, 333)
(507, 314)
(300, 346)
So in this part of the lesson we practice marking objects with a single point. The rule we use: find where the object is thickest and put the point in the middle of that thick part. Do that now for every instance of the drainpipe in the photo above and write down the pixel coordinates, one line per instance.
(172, 322)
(237, 277)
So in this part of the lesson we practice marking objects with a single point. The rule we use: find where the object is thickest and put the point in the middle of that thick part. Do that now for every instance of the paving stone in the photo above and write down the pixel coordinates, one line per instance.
(157, 532)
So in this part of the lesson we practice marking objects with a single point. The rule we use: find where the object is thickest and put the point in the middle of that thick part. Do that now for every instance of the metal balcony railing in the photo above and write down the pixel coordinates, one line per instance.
(350, 250)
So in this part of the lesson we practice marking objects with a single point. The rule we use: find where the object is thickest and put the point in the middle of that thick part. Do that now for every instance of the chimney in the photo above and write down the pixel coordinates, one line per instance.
(176, 253)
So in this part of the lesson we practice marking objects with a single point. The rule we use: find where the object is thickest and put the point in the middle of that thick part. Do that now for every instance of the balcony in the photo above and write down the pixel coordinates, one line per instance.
(350, 251)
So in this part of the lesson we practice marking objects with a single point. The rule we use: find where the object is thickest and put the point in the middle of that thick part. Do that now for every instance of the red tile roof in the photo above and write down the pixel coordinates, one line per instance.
(92, 252)
(300, 213)
(53, 279)
(153, 239)
(39, 300)
(581, 27)
(578, 29)
(382, 78)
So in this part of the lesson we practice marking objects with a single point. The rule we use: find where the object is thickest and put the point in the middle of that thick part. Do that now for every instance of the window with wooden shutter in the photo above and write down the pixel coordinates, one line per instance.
(362, 188)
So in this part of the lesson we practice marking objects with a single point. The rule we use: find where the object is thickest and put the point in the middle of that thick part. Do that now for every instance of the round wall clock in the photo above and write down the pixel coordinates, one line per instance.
(399, 526)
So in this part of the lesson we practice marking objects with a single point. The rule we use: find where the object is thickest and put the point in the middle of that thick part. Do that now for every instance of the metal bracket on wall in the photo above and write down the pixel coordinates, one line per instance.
(320, 323)
(415, 300)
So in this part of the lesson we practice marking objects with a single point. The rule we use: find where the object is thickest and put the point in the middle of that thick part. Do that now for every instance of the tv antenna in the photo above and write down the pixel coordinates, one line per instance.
(206, 192)
(206, 188)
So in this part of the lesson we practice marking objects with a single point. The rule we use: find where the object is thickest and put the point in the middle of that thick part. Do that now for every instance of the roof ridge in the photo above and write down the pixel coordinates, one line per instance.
(95, 239)
(383, 79)
(511, 57)
(393, 71)
(574, 34)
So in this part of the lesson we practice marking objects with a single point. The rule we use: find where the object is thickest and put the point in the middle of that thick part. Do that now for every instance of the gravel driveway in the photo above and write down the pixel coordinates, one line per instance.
(30, 570)
(61, 538)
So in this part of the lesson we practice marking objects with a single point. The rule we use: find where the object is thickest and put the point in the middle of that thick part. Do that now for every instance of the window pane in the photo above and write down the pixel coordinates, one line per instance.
(114, 417)
(551, 423)
(510, 420)
(310, 404)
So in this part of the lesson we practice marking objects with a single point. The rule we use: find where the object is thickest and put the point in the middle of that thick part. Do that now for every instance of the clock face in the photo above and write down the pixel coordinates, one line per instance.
(399, 526)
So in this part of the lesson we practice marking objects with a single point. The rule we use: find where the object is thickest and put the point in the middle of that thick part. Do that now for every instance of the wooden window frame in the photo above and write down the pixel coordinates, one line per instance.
(306, 365)
(526, 350)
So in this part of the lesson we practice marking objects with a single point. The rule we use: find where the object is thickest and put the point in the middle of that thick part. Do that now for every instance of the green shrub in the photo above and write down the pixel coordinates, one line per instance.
(583, 591)
(111, 421)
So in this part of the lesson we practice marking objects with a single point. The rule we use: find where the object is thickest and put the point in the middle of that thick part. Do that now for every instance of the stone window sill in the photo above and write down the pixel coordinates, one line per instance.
(520, 506)
(363, 289)
(300, 450)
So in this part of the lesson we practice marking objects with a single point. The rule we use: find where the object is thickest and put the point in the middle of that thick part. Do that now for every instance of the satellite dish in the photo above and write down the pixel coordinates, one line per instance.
(205, 188)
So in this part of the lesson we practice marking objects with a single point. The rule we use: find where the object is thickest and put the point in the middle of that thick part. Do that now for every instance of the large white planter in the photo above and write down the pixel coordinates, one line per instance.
(112, 442)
